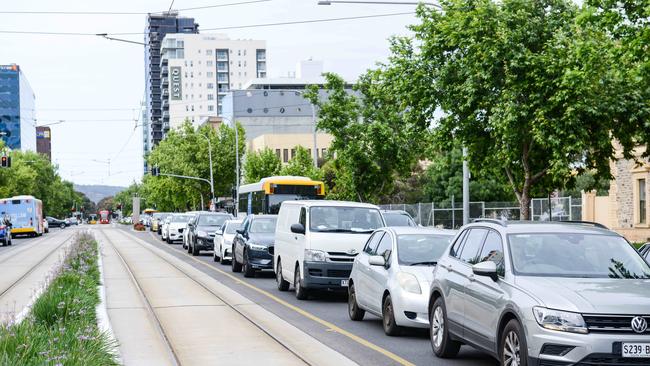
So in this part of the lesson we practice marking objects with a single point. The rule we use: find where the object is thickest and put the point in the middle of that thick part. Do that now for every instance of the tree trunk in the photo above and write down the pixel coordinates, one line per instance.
(524, 204)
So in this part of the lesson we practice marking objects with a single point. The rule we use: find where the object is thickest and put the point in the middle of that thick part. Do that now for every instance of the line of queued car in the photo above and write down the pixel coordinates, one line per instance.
(526, 293)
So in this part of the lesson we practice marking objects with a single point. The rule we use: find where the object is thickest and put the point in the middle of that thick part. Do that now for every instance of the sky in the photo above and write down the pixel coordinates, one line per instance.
(96, 86)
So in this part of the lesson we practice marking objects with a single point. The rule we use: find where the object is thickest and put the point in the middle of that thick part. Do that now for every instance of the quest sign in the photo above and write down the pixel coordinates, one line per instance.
(176, 91)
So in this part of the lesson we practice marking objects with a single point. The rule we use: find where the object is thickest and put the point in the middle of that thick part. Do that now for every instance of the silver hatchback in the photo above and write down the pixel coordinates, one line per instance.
(542, 294)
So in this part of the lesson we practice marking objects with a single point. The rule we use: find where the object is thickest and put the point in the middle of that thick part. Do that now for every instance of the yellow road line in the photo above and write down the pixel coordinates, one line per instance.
(330, 327)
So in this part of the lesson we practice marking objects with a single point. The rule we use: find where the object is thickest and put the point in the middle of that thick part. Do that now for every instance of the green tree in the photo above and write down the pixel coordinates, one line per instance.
(302, 164)
(106, 203)
(371, 143)
(185, 152)
(443, 178)
(125, 197)
(260, 164)
(521, 84)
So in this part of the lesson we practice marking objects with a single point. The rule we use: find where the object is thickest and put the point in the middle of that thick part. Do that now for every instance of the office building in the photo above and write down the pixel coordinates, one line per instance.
(17, 103)
(44, 141)
(158, 25)
(198, 71)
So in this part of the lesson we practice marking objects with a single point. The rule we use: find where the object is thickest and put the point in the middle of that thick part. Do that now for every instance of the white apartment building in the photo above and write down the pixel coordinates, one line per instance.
(198, 70)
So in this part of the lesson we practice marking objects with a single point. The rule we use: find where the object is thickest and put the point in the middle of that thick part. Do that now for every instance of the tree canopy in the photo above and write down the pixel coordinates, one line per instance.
(523, 85)
(260, 164)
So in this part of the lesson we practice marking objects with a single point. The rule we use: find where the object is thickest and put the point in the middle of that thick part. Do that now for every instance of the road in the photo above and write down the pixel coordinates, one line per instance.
(325, 317)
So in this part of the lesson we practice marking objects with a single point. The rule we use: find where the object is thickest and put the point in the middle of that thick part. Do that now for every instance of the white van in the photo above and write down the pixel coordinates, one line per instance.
(316, 242)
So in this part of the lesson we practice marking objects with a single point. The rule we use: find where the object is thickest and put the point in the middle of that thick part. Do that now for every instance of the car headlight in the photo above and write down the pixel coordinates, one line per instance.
(201, 233)
(257, 247)
(563, 321)
(315, 255)
(409, 283)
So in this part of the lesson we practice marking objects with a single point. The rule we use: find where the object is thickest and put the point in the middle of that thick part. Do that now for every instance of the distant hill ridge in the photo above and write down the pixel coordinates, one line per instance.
(96, 192)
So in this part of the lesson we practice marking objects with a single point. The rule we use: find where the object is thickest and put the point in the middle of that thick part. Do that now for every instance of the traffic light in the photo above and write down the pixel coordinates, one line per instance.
(155, 171)
(5, 161)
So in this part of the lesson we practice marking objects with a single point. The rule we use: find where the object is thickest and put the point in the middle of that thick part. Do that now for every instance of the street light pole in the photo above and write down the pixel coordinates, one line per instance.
(212, 205)
(313, 121)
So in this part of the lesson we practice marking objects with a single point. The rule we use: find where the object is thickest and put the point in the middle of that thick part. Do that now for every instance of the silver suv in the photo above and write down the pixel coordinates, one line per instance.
(542, 294)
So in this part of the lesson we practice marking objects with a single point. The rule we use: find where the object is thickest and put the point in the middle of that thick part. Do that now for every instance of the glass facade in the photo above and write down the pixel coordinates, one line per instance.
(16, 110)
(157, 27)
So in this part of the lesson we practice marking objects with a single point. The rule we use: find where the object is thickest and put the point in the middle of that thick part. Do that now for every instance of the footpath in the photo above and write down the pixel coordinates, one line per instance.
(163, 311)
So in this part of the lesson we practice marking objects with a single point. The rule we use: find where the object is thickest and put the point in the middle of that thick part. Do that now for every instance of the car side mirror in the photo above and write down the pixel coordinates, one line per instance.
(377, 260)
(298, 229)
(487, 269)
(240, 231)
(219, 232)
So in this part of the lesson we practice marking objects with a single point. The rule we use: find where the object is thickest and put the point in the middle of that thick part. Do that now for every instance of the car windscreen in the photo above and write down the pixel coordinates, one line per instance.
(232, 227)
(181, 218)
(421, 248)
(212, 220)
(263, 225)
(344, 219)
(575, 255)
(398, 219)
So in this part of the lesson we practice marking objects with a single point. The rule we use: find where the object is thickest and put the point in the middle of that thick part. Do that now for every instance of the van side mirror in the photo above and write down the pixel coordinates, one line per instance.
(298, 229)
(377, 260)
(487, 269)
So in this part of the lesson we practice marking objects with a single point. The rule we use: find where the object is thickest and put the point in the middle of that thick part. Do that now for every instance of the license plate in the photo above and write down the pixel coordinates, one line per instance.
(344, 283)
(636, 350)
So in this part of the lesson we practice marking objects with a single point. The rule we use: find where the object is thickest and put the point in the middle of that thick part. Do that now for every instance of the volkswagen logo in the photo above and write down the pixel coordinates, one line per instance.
(639, 324)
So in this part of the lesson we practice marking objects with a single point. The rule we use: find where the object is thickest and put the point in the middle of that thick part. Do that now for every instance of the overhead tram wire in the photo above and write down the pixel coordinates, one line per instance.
(309, 21)
(53, 12)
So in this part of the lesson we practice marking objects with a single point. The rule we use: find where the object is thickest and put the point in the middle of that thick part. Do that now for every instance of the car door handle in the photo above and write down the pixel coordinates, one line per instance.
(446, 266)
(471, 278)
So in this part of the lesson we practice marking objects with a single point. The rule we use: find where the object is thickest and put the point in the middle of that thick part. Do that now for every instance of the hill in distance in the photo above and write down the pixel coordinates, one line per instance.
(96, 192)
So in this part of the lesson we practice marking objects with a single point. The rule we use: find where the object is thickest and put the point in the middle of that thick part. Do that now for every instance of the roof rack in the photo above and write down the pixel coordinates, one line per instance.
(595, 224)
(492, 221)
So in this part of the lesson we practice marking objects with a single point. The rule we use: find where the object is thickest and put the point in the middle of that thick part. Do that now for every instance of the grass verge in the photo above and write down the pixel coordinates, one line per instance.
(61, 328)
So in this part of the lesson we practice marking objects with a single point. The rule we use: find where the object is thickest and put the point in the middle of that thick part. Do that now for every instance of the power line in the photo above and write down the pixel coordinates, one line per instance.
(309, 21)
(46, 12)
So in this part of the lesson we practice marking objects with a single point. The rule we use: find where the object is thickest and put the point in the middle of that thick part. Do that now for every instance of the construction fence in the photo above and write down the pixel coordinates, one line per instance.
(450, 214)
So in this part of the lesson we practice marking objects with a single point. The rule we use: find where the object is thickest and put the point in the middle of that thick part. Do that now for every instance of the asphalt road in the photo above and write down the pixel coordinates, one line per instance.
(22, 240)
(325, 317)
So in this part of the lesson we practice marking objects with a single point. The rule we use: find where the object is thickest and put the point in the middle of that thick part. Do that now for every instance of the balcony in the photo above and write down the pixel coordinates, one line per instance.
(165, 81)
(165, 92)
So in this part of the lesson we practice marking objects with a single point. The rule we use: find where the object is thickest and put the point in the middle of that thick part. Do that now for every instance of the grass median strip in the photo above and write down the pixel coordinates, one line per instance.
(61, 328)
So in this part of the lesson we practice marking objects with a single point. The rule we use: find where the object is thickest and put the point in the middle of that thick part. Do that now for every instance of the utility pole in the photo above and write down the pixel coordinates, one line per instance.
(465, 188)
(213, 203)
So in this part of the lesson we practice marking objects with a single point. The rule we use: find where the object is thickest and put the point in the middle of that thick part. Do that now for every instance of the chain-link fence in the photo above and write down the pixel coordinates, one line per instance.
(450, 214)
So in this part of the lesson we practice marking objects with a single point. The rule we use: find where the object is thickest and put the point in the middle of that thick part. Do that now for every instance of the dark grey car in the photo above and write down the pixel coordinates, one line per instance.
(202, 229)
(252, 248)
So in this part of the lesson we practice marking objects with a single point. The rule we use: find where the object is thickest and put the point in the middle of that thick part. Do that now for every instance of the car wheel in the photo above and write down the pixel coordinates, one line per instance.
(354, 311)
(195, 250)
(236, 267)
(301, 292)
(215, 257)
(5, 242)
(443, 346)
(248, 271)
(283, 285)
(223, 260)
(513, 351)
(388, 318)
(62, 226)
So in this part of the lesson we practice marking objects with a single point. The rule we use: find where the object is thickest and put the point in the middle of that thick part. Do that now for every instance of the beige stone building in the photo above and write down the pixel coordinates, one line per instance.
(625, 209)
(284, 144)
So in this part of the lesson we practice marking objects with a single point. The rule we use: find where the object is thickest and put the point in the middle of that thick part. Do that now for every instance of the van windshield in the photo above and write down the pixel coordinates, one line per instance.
(344, 219)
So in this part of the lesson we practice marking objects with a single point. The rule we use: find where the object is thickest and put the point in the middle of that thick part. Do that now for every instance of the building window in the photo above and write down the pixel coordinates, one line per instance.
(239, 63)
(210, 86)
(277, 153)
(285, 155)
(208, 52)
(293, 153)
(208, 63)
(209, 74)
(210, 108)
(238, 52)
(210, 96)
(642, 202)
